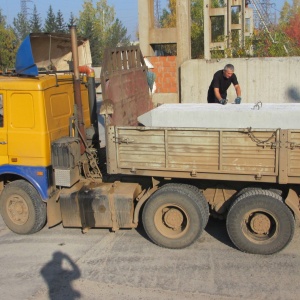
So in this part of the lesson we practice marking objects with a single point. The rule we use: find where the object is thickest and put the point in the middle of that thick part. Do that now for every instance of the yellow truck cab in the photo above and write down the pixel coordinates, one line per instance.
(36, 111)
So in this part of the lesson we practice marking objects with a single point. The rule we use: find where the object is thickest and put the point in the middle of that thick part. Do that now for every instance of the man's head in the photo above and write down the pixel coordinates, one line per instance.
(228, 70)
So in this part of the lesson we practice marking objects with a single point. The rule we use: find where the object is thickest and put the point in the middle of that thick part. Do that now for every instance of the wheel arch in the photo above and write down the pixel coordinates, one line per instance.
(29, 174)
(292, 201)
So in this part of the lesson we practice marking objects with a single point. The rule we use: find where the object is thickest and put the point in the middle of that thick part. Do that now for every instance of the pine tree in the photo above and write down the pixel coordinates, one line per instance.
(35, 22)
(72, 20)
(50, 22)
(117, 35)
(21, 26)
(60, 23)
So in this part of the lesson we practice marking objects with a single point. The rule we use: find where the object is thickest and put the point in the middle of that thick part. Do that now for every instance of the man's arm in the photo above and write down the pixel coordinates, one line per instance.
(238, 90)
(217, 93)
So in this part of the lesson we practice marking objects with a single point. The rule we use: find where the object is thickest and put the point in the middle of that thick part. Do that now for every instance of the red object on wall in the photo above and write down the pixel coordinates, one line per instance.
(166, 73)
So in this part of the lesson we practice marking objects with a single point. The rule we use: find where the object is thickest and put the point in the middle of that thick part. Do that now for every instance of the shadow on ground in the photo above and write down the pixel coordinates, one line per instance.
(59, 273)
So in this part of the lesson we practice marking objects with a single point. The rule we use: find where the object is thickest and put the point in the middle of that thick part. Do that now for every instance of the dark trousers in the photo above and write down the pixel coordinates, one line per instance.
(211, 98)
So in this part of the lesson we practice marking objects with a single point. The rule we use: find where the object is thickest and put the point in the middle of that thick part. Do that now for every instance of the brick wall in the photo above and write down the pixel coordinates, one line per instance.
(166, 73)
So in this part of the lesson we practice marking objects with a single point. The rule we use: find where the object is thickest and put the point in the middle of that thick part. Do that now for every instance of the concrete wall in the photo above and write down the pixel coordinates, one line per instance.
(270, 80)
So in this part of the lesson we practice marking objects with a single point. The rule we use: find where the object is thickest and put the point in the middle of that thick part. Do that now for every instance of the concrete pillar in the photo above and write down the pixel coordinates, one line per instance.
(243, 23)
(183, 25)
(146, 23)
(227, 21)
(207, 29)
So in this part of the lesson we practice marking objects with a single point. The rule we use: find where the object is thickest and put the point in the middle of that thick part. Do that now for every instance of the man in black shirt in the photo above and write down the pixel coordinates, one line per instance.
(217, 92)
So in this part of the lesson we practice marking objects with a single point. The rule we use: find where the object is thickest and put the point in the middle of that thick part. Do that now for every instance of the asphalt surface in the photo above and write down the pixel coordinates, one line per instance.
(63, 263)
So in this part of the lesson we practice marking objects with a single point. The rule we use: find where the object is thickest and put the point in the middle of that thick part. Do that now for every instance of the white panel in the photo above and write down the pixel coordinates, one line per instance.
(269, 116)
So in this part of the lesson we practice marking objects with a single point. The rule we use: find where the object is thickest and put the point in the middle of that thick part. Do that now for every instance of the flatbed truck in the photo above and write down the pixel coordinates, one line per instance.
(174, 179)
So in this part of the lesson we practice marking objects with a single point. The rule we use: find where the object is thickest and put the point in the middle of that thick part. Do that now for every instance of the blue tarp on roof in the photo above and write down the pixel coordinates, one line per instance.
(25, 64)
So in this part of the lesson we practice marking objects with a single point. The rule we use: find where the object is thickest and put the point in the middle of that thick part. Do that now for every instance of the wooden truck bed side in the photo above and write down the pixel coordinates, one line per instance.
(240, 155)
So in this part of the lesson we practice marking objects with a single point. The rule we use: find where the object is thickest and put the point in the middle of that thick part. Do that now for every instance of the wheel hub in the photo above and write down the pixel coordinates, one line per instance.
(17, 210)
(173, 218)
(260, 224)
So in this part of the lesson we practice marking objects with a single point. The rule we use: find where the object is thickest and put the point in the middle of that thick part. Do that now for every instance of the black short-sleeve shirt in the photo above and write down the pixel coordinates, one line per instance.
(221, 82)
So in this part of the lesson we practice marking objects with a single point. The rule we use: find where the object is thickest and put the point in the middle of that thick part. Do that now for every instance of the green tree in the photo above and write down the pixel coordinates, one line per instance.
(117, 35)
(35, 22)
(60, 23)
(21, 26)
(282, 39)
(86, 28)
(97, 23)
(197, 30)
(8, 44)
(2, 19)
(285, 13)
(50, 22)
(72, 20)
(168, 19)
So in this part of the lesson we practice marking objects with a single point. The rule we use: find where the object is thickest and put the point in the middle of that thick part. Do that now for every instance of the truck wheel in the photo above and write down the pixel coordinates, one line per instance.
(259, 222)
(198, 196)
(22, 208)
(172, 217)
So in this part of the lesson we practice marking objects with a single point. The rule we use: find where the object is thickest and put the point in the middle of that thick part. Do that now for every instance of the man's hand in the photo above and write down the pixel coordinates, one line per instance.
(238, 100)
(223, 101)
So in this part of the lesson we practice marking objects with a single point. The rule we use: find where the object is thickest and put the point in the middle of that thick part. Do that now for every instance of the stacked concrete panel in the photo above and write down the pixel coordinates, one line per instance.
(260, 116)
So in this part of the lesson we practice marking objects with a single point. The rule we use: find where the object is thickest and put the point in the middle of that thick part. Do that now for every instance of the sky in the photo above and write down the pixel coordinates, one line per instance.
(126, 10)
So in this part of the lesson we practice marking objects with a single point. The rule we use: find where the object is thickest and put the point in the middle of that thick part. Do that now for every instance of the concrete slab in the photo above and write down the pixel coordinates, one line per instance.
(230, 116)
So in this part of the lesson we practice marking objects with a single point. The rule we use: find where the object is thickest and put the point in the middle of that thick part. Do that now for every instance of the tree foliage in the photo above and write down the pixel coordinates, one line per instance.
(21, 26)
(72, 20)
(168, 20)
(50, 22)
(281, 40)
(98, 24)
(35, 22)
(117, 35)
(8, 44)
(61, 26)
(197, 29)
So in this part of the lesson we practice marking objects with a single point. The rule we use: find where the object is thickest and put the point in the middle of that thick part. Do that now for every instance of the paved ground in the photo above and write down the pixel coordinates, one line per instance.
(62, 263)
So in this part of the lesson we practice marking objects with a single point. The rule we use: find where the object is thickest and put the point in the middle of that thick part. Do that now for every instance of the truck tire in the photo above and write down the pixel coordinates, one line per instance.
(22, 208)
(188, 188)
(259, 222)
(173, 218)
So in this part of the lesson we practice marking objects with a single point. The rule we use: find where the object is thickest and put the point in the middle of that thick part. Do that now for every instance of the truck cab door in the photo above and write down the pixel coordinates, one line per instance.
(3, 131)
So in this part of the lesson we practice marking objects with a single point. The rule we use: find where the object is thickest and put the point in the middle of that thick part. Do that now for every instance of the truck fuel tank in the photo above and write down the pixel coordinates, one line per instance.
(108, 205)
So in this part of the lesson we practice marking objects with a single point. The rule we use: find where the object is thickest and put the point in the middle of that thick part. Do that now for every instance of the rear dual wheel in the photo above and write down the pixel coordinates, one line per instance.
(259, 222)
(175, 216)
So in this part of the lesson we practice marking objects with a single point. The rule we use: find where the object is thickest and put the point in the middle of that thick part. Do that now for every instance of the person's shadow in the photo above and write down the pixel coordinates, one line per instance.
(59, 274)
